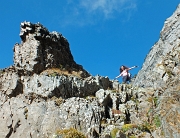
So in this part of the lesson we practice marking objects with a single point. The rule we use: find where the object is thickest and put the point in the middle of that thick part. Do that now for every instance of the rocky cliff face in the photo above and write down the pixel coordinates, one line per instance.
(161, 71)
(46, 92)
(162, 62)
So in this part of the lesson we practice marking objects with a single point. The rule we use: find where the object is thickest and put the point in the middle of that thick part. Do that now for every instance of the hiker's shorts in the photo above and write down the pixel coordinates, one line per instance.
(126, 79)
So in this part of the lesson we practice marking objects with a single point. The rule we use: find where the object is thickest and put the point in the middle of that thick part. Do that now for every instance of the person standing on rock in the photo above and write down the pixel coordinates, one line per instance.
(124, 72)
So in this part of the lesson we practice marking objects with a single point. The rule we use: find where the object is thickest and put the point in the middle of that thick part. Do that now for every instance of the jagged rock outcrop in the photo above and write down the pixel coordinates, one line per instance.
(41, 49)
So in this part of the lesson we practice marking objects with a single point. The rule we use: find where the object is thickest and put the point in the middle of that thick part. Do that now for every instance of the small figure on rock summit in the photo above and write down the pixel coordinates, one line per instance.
(124, 72)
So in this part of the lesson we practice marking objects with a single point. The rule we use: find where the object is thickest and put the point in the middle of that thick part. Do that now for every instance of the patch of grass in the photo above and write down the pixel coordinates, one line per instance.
(60, 71)
(148, 127)
(153, 100)
(145, 127)
(57, 101)
(157, 121)
(127, 127)
(69, 133)
(113, 132)
(134, 99)
(54, 74)
(103, 121)
(169, 72)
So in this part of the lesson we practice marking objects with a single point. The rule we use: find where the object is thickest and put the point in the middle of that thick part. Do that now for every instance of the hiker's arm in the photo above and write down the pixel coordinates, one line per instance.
(132, 67)
(119, 76)
(122, 73)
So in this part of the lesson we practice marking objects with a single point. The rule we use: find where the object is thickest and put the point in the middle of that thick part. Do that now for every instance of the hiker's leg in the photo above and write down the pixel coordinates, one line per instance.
(129, 78)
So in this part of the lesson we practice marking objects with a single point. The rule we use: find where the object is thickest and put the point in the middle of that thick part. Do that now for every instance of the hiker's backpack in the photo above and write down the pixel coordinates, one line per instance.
(129, 75)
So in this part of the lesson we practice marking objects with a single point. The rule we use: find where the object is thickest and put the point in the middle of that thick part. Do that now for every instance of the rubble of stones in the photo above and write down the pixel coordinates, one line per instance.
(35, 103)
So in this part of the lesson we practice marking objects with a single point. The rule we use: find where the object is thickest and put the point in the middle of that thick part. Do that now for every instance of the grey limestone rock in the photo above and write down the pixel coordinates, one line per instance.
(41, 49)
(161, 71)
(163, 56)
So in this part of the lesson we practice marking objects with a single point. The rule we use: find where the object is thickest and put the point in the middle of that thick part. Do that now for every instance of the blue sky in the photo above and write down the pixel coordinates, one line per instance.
(103, 34)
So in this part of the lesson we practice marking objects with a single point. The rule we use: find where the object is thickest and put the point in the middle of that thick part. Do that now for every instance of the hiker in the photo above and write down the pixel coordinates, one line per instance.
(124, 72)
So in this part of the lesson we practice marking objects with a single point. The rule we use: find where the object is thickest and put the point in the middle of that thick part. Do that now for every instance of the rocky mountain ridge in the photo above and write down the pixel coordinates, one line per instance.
(45, 92)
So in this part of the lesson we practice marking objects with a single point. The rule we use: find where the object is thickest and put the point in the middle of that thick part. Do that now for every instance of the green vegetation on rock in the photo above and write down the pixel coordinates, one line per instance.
(113, 132)
(69, 133)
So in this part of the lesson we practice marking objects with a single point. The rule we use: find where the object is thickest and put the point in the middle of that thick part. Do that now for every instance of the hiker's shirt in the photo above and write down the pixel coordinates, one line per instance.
(124, 73)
